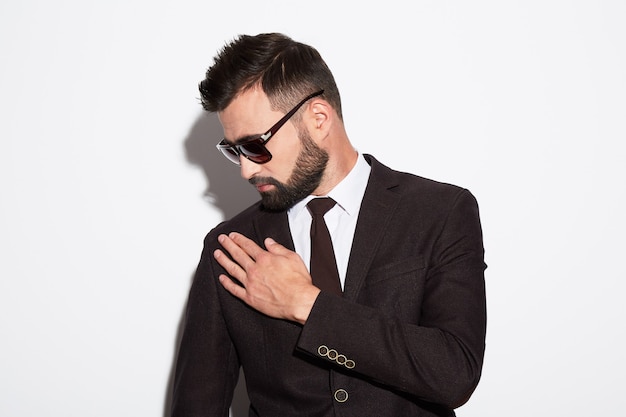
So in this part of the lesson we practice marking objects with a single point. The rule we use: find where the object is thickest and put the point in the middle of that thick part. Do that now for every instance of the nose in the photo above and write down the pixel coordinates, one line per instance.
(248, 168)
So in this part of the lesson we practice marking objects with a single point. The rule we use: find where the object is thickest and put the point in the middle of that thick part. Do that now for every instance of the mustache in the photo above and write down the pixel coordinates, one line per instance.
(265, 180)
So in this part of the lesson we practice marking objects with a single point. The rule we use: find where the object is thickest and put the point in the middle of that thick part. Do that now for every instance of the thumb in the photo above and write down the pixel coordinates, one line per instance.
(273, 246)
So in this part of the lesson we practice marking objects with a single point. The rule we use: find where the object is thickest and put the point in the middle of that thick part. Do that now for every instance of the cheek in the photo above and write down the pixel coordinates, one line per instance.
(284, 171)
(283, 161)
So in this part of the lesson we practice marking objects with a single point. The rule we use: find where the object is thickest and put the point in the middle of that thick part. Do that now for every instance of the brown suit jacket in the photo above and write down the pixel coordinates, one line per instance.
(406, 339)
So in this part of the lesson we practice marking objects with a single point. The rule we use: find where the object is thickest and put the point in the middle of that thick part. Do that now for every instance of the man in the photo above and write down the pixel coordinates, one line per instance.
(401, 334)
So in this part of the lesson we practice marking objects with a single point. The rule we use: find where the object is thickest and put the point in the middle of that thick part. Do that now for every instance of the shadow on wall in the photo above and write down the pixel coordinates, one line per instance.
(226, 190)
(229, 193)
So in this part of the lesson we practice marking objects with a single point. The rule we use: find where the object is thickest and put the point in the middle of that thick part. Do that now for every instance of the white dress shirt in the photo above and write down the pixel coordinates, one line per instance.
(340, 220)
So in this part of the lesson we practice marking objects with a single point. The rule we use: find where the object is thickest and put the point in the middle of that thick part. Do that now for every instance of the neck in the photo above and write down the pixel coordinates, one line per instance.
(340, 163)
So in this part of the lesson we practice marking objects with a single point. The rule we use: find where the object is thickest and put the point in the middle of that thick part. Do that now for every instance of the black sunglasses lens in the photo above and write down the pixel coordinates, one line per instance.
(256, 152)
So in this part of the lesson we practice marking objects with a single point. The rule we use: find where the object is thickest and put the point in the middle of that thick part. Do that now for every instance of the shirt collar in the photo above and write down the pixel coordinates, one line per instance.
(348, 193)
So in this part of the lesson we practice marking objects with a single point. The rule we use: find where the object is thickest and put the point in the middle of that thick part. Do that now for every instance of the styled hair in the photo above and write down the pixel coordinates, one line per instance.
(286, 70)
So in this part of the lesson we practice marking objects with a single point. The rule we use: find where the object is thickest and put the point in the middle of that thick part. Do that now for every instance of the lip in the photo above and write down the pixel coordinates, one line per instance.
(264, 187)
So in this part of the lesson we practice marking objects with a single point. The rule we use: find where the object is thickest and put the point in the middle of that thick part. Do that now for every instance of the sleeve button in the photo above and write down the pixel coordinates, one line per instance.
(322, 350)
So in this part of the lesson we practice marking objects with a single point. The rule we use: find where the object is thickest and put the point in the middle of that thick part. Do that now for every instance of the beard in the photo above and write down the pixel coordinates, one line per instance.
(305, 178)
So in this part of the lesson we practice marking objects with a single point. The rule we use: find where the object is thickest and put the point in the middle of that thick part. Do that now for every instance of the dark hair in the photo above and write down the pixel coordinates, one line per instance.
(286, 70)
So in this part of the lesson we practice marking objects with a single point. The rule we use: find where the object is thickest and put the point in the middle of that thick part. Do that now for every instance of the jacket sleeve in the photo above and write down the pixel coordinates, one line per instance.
(207, 366)
(438, 356)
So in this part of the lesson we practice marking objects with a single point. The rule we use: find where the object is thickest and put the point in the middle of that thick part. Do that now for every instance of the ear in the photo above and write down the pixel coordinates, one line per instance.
(321, 119)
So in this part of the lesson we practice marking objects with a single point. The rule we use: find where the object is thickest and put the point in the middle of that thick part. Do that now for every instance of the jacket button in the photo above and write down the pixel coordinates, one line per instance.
(341, 395)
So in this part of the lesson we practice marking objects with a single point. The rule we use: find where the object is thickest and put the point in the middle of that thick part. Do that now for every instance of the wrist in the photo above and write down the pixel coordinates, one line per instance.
(305, 304)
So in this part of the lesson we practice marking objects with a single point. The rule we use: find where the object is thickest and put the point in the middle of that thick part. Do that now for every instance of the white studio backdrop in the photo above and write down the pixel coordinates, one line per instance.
(109, 181)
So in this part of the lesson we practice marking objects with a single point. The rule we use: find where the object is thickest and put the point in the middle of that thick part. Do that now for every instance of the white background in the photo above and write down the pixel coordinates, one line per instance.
(109, 181)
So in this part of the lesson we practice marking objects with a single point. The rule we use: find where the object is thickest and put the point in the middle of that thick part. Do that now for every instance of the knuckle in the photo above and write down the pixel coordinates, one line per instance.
(252, 271)
(232, 268)
(263, 258)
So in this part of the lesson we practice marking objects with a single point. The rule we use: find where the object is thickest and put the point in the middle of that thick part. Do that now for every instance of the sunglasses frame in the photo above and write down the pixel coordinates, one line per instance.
(236, 150)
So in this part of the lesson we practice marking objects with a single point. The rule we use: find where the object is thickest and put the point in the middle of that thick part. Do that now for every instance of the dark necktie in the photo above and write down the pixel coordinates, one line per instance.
(323, 264)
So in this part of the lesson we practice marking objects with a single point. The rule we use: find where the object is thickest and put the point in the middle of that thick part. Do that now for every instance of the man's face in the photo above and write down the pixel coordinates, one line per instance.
(297, 164)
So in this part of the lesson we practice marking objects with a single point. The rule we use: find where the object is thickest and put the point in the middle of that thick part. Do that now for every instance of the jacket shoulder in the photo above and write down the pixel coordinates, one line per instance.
(415, 187)
(241, 222)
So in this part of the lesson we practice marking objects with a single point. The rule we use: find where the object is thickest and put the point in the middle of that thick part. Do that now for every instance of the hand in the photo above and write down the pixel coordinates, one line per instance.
(275, 281)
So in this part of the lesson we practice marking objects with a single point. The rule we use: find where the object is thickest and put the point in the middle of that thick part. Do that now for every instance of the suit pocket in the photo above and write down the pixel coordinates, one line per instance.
(395, 270)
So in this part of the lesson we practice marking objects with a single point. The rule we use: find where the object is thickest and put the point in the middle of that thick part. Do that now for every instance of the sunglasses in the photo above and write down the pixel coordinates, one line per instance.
(254, 148)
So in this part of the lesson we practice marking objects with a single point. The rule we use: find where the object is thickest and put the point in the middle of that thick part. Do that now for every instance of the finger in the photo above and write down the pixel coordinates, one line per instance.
(247, 245)
(230, 286)
(231, 267)
(235, 251)
(275, 247)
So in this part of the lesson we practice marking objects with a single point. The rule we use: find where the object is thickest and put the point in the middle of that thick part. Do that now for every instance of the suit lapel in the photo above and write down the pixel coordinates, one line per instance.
(274, 225)
(377, 209)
